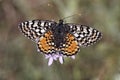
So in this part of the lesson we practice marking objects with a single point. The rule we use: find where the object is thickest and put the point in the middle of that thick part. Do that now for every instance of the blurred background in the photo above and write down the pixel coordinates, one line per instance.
(19, 59)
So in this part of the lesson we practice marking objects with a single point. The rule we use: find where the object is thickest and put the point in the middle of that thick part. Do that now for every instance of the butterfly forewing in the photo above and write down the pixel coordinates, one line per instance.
(34, 29)
(85, 35)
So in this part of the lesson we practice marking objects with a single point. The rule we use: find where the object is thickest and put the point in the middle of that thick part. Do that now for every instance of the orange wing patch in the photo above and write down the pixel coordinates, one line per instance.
(45, 43)
(71, 46)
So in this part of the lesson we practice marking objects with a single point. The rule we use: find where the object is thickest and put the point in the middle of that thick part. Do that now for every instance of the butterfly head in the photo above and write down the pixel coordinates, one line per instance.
(61, 21)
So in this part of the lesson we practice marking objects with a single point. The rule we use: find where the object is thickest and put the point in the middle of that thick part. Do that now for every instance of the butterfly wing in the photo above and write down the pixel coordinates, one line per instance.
(34, 29)
(85, 35)
(45, 43)
(71, 47)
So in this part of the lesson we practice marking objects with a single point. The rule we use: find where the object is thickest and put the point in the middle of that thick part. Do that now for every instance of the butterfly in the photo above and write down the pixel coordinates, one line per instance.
(59, 38)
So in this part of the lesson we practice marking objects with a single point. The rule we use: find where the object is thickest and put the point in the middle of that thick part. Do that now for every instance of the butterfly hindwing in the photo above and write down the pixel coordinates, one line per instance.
(71, 46)
(85, 35)
(34, 29)
(45, 43)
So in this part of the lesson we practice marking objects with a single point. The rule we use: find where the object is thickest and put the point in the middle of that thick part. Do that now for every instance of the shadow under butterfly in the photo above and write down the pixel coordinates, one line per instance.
(59, 40)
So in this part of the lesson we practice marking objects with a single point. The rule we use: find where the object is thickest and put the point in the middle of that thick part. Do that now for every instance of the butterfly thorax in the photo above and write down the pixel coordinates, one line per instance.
(59, 33)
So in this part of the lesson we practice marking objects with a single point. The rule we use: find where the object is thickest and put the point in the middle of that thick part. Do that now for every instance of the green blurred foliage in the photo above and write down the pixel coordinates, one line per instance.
(19, 59)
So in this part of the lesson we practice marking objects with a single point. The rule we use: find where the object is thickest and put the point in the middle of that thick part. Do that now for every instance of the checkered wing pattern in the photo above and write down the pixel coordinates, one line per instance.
(85, 35)
(71, 46)
(34, 29)
(45, 43)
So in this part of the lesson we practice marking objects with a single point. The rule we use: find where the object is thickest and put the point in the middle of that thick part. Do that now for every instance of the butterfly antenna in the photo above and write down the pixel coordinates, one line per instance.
(71, 16)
